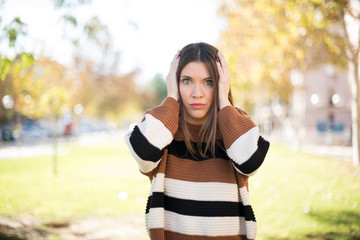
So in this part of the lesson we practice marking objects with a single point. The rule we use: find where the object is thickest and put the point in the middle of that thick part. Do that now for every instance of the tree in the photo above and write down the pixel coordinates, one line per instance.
(265, 40)
(16, 59)
(45, 88)
(157, 87)
(104, 92)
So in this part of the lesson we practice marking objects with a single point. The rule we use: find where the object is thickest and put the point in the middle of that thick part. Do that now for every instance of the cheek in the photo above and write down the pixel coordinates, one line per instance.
(183, 91)
(210, 94)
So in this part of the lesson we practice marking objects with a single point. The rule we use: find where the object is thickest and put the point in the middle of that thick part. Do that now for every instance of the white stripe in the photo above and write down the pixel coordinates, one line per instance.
(244, 194)
(201, 191)
(155, 132)
(245, 146)
(155, 218)
(251, 229)
(157, 183)
(191, 225)
(144, 166)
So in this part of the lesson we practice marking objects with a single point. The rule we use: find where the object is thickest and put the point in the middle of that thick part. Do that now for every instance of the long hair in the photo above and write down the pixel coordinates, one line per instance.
(207, 54)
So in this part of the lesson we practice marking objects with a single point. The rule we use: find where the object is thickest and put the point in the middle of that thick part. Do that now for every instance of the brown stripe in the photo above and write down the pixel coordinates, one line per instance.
(178, 135)
(163, 163)
(168, 113)
(233, 124)
(194, 132)
(212, 170)
(157, 234)
(242, 180)
(160, 234)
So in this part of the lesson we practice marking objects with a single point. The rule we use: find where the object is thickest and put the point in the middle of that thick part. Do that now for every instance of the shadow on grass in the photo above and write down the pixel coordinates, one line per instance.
(21, 233)
(340, 225)
(7, 237)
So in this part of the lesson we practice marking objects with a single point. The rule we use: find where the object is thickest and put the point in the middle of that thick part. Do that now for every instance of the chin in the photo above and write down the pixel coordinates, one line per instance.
(198, 115)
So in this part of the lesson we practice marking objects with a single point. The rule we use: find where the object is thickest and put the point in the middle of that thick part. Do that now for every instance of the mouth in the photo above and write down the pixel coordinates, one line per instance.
(197, 105)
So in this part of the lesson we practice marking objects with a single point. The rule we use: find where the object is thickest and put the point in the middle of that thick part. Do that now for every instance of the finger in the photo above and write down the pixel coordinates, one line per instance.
(224, 65)
(219, 67)
(222, 60)
(177, 56)
(175, 61)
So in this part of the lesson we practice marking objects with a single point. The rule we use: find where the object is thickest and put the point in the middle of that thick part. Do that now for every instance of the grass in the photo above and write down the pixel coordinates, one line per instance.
(88, 184)
(301, 196)
(294, 195)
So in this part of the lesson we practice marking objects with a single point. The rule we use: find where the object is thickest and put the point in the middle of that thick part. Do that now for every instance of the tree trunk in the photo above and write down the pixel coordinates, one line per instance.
(55, 148)
(355, 109)
(351, 27)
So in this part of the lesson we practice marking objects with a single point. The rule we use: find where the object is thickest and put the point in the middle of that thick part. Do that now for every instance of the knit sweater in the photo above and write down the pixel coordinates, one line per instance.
(192, 197)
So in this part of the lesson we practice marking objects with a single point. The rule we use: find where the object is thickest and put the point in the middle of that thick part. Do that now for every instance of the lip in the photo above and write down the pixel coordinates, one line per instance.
(197, 105)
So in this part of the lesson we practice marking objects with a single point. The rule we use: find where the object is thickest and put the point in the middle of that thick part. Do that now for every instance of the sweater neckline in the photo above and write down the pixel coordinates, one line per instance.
(194, 130)
(194, 127)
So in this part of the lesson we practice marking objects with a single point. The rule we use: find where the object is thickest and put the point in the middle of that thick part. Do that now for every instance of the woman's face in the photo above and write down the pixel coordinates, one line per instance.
(196, 92)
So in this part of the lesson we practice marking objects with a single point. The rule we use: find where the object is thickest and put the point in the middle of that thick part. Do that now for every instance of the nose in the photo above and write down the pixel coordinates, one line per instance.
(197, 91)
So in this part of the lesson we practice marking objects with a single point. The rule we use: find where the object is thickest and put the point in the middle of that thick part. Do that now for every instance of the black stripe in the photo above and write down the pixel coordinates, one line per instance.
(179, 149)
(255, 161)
(248, 213)
(200, 208)
(154, 201)
(143, 148)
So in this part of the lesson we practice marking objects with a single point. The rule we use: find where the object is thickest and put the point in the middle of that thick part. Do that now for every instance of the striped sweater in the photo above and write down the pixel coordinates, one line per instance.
(193, 198)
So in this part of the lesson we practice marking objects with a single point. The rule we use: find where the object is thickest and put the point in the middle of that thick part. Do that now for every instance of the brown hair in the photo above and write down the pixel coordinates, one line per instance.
(207, 54)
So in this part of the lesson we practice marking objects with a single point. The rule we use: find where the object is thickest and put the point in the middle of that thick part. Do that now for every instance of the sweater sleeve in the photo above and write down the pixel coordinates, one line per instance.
(149, 138)
(243, 144)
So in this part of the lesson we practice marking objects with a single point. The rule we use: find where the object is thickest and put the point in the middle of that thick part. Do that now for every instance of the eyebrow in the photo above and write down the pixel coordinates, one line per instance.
(184, 76)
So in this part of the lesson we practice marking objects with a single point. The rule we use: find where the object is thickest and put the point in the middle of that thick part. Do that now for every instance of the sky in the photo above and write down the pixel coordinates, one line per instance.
(146, 32)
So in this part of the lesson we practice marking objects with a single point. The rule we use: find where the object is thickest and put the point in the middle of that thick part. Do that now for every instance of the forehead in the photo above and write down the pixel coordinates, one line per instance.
(195, 70)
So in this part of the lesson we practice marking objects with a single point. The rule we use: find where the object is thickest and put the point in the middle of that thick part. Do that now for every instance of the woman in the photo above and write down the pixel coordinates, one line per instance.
(198, 150)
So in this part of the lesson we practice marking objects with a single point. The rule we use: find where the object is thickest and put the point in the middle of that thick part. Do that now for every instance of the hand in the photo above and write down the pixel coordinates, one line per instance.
(224, 81)
(172, 87)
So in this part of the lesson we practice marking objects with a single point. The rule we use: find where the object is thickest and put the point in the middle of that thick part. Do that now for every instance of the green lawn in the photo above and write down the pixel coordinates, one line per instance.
(294, 195)
(300, 196)
(88, 184)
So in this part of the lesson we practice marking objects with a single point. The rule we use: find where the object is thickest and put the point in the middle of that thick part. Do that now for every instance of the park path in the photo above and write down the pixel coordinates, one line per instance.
(96, 228)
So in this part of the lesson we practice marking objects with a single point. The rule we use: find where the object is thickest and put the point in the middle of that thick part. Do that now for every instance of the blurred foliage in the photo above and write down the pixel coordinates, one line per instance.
(67, 18)
(9, 34)
(15, 28)
(92, 29)
(69, 3)
(17, 83)
(157, 89)
(265, 40)
(43, 87)
(47, 88)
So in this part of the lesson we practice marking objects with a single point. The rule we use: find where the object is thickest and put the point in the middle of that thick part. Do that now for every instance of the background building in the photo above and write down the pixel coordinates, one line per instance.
(327, 107)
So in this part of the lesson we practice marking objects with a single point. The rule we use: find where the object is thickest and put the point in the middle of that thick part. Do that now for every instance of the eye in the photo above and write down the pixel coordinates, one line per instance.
(208, 82)
(186, 81)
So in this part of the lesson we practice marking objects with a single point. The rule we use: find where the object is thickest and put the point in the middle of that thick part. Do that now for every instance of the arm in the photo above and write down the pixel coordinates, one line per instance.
(243, 144)
(245, 147)
(149, 138)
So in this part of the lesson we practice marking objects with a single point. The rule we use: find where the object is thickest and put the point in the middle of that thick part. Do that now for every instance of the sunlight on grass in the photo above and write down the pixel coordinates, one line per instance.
(294, 195)
(89, 181)
(300, 196)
